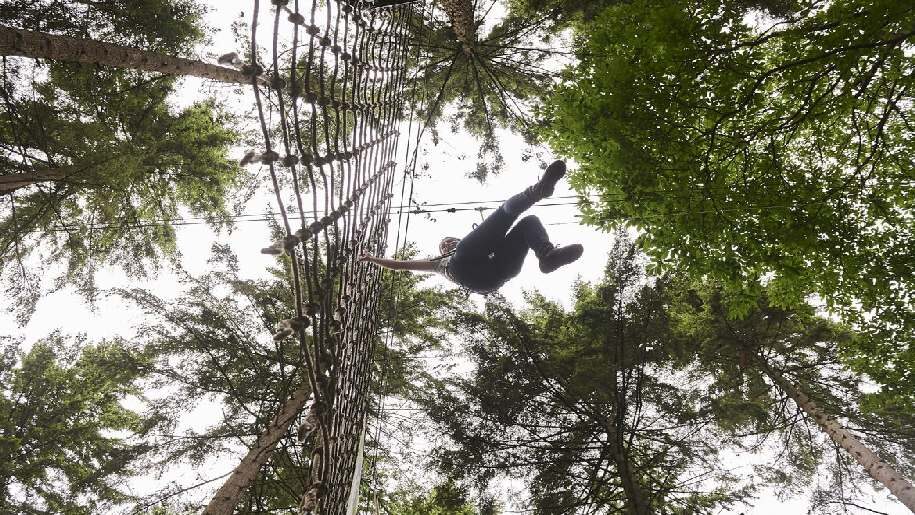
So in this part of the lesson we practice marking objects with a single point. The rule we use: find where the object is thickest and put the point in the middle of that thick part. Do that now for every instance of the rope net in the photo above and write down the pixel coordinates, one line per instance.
(330, 102)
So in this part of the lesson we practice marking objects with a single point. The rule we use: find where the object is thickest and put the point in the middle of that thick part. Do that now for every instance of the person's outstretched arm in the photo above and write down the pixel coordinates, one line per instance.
(416, 265)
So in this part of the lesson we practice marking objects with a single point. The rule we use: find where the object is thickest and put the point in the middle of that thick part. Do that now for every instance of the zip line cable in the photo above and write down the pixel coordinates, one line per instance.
(601, 199)
(270, 216)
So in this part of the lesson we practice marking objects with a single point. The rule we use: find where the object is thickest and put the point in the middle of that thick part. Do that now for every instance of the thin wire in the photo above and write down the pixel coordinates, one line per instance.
(601, 198)
(451, 210)
(312, 215)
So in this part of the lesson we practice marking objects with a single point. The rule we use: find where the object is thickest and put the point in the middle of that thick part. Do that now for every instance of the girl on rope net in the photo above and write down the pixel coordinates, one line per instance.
(492, 254)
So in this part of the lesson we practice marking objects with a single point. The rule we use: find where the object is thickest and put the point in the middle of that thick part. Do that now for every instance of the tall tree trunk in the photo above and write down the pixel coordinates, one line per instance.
(226, 498)
(460, 12)
(635, 500)
(615, 425)
(12, 182)
(38, 45)
(879, 470)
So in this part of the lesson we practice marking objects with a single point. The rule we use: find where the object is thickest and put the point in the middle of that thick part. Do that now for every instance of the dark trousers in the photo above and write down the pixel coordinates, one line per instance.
(491, 254)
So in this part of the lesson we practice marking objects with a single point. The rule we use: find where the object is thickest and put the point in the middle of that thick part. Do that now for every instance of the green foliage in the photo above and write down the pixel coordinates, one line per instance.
(734, 355)
(412, 310)
(561, 13)
(617, 402)
(421, 319)
(67, 442)
(215, 342)
(485, 87)
(158, 25)
(767, 158)
(444, 499)
(123, 162)
(584, 404)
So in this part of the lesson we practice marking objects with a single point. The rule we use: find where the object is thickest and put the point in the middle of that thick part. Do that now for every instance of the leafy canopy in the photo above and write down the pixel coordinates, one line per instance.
(66, 440)
(764, 153)
(443, 499)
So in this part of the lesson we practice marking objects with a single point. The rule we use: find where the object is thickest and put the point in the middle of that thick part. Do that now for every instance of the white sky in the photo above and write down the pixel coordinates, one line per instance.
(448, 162)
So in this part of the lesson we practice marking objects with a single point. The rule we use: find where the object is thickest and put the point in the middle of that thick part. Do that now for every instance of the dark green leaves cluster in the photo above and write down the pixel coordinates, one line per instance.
(67, 442)
(639, 398)
(157, 25)
(444, 499)
(768, 154)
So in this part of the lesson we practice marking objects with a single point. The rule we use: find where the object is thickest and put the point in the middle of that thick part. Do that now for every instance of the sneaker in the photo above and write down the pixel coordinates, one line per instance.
(560, 256)
(554, 172)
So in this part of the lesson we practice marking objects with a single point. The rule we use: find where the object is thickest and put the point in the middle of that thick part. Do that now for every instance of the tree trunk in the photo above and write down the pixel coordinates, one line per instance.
(12, 182)
(38, 45)
(635, 498)
(875, 468)
(460, 12)
(226, 498)
(635, 501)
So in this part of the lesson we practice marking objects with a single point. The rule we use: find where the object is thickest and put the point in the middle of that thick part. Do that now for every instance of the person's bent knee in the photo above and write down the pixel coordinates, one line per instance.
(530, 220)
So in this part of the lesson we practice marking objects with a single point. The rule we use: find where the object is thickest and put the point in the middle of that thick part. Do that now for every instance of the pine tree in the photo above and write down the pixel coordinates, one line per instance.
(583, 403)
(37, 45)
(792, 354)
(482, 82)
(217, 340)
(94, 162)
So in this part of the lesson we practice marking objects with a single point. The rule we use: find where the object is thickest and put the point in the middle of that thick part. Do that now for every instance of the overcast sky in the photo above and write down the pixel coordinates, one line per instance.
(446, 183)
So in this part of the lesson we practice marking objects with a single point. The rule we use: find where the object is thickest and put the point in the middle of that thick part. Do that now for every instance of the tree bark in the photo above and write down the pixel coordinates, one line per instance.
(12, 182)
(879, 470)
(226, 498)
(38, 45)
(635, 501)
(460, 12)
(635, 498)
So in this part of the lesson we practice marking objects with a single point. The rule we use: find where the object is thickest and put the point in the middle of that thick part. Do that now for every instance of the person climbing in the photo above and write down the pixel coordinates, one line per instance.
(492, 254)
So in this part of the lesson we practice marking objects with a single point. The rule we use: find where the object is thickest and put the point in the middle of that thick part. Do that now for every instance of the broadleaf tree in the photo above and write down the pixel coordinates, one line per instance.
(769, 153)
(68, 444)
